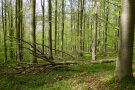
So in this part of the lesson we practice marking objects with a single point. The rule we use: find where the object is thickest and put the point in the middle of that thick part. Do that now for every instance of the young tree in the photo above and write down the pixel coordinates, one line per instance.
(33, 31)
(125, 54)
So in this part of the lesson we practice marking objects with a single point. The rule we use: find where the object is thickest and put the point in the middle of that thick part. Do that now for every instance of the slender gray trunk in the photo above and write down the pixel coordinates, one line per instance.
(94, 43)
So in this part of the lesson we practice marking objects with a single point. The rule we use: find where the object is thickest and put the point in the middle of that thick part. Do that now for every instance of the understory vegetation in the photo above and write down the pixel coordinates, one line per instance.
(69, 77)
(67, 45)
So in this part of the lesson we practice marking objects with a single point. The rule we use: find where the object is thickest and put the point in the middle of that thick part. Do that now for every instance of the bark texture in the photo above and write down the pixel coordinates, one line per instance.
(50, 28)
(33, 31)
(125, 55)
(94, 43)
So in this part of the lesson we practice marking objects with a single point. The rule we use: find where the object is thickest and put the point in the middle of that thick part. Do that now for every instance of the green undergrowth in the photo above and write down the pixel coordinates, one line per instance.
(125, 84)
(71, 77)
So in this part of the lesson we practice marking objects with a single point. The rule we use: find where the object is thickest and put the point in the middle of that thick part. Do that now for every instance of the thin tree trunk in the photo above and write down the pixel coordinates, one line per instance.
(33, 31)
(4, 32)
(78, 25)
(18, 30)
(21, 29)
(63, 10)
(55, 25)
(106, 27)
(43, 24)
(84, 25)
(11, 32)
(71, 25)
(58, 30)
(50, 29)
(81, 27)
(94, 44)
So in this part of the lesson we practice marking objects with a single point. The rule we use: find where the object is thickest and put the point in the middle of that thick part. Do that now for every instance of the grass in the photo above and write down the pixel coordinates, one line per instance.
(73, 77)
(70, 77)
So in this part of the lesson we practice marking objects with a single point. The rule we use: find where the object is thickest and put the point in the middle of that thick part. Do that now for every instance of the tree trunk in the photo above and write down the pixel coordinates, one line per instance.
(33, 31)
(106, 27)
(78, 26)
(50, 29)
(21, 29)
(18, 57)
(63, 12)
(55, 25)
(11, 31)
(5, 33)
(84, 15)
(71, 25)
(43, 24)
(94, 43)
(4, 30)
(125, 55)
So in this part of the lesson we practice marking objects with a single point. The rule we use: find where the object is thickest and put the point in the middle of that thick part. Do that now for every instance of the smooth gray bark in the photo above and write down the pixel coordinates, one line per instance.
(125, 54)
(94, 43)
(43, 24)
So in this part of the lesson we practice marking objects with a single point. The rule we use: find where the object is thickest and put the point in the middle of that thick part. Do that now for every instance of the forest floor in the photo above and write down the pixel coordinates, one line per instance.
(71, 77)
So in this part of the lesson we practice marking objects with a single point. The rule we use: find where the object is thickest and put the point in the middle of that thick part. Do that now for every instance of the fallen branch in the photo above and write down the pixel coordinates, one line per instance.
(34, 68)
(45, 46)
(102, 61)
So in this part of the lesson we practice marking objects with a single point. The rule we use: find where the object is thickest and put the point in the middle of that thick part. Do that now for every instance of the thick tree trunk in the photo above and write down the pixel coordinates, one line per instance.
(94, 43)
(33, 31)
(125, 55)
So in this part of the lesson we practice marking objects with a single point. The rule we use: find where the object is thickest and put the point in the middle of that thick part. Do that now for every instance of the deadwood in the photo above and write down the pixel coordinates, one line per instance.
(46, 47)
(102, 61)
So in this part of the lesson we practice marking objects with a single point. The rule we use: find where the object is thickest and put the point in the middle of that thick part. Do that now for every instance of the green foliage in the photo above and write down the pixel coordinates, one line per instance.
(66, 78)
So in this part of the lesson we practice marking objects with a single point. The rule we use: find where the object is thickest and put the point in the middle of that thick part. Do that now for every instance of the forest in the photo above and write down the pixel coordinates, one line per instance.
(67, 45)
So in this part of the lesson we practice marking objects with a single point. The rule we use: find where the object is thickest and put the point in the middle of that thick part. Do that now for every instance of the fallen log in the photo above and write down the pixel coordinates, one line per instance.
(102, 61)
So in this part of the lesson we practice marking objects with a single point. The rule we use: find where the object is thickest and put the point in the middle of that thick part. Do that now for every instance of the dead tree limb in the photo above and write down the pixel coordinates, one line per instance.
(46, 47)
(102, 61)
